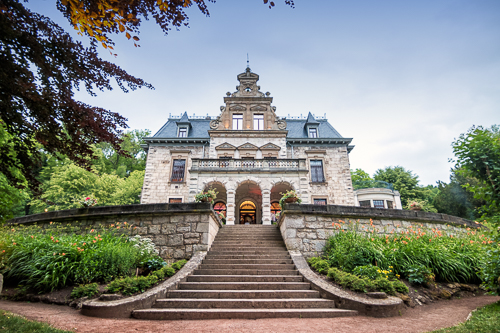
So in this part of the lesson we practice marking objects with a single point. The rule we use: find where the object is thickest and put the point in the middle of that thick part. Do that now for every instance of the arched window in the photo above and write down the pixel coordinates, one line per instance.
(220, 207)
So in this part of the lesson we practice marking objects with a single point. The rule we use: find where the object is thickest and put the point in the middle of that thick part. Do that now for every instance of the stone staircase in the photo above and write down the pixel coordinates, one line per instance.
(247, 274)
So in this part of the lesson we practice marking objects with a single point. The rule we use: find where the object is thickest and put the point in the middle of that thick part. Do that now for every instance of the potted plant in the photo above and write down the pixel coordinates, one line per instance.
(289, 197)
(88, 201)
(206, 196)
(415, 205)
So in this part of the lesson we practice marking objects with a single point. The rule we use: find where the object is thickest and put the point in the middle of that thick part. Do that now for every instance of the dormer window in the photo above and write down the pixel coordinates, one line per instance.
(182, 132)
(313, 132)
(237, 121)
(258, 122)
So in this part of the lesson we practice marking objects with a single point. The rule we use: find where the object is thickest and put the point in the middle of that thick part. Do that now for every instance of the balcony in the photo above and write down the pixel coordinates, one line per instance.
(238, 165)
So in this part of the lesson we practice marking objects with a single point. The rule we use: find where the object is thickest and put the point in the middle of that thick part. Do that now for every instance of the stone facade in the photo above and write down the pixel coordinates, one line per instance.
(305, 228)
(177, 230)
(249, 155)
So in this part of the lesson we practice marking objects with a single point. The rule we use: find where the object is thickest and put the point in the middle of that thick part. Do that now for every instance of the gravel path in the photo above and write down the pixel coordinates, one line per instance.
(420, 319)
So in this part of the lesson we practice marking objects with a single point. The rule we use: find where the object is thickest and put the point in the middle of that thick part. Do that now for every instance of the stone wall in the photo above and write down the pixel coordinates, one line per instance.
(178, 230)
(306, 228)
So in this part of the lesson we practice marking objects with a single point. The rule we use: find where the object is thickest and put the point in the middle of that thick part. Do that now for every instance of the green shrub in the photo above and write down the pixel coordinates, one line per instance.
(321, 266)
(311, 261)
(400, 287)
(451, 257)
(153, 264)
(179, 264)
(369, 271)
(132, 285)
(83, 290)
(385, 285)
(419, 274)
(44, 259)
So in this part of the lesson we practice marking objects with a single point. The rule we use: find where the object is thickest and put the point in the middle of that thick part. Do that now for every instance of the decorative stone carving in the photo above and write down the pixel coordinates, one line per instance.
(281, 124)
(258, 108)
(214, 124)
(237, 107)
(222, 108)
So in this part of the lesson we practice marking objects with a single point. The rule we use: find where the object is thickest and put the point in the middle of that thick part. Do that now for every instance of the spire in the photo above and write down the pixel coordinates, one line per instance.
(248, 63)
(310, 119)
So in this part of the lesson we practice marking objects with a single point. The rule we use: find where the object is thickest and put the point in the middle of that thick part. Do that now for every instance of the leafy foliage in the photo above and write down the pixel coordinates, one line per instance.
(99, 19)
(83, 290)
(15, 323)
(451, 257)
(48, 259)
(39, 68)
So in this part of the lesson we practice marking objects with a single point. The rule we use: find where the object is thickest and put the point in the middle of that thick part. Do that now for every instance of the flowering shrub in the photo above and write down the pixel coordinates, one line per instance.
(145, 246)
(208, 196)
(419, 274)
(289, 194)
(44, 259)
(88, 201)
(450, 257)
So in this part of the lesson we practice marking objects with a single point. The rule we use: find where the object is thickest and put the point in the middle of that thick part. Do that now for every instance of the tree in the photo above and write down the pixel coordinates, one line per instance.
(40, 65)
(454, 199)
(406, 183)
(359, 177)
(100, 18)
(477, 155)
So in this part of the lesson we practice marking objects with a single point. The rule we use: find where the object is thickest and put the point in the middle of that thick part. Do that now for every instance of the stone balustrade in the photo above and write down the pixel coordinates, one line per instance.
(226, 165)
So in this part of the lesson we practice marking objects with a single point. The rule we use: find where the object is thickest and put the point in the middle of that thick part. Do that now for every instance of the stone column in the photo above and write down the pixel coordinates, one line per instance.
(230, 207)
(266, 207)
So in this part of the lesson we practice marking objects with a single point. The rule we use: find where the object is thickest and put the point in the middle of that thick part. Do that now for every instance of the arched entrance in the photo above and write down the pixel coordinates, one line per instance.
(276, 193)
(248, 203)
(248, 213)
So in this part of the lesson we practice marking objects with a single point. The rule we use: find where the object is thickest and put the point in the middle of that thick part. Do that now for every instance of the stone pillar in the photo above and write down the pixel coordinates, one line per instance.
(266, 207)
(231, 194)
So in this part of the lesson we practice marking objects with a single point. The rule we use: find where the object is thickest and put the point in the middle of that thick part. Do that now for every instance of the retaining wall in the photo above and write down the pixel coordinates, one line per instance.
(306, 228)
(178, 230)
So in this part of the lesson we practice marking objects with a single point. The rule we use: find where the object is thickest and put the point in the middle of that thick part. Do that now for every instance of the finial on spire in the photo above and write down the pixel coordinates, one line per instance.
(248, 61)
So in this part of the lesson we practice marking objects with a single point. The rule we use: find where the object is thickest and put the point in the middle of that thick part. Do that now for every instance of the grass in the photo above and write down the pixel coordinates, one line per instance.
(483, 320)
(12, 323)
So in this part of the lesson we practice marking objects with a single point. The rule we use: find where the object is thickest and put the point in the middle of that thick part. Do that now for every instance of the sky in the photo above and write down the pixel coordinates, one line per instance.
(402, 78)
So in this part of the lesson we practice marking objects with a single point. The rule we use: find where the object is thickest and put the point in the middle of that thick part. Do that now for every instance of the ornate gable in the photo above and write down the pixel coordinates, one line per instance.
(270, 146)
(248, 146)
(226, 146)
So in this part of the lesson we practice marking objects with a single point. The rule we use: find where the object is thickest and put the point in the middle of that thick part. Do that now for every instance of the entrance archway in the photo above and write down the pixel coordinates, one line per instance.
(248, 203)
(248, 213)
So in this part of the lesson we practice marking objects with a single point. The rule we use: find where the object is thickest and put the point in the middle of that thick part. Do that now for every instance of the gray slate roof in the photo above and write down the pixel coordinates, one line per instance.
(198, 128)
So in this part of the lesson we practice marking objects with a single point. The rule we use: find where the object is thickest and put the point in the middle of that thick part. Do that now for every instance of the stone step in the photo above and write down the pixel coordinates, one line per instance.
(244, 278)
(248, 248)
(246, 261)
(242, 294)
(244, 286)
(248, 256)
(199, 314)
(246, 242)
(248, 266)
(245, 272)
(272, 303)
(247, 252)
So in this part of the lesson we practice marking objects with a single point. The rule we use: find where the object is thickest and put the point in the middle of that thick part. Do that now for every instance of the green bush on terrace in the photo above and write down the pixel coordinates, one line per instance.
(44, 259)
(416, 253)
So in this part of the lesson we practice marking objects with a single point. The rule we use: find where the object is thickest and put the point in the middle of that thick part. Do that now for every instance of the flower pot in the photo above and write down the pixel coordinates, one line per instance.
(290, 200)
(415, 208)
(205, 200)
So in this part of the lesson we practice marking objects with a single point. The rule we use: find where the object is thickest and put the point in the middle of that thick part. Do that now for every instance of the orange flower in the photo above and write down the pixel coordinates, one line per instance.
(64, 254)
(57, 241)
(84, 244)
(430, 240)
(94, 241)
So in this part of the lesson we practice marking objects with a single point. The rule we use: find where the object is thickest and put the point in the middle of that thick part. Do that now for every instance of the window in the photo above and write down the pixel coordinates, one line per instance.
(313, 132)
(378, 203)
(182, 132)
(389, 204)
(258, 122)
(178, 169)
(317, 171)
(220, 207)
(237, 121)
(321, 202)
(365, 203)
(175, 200)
